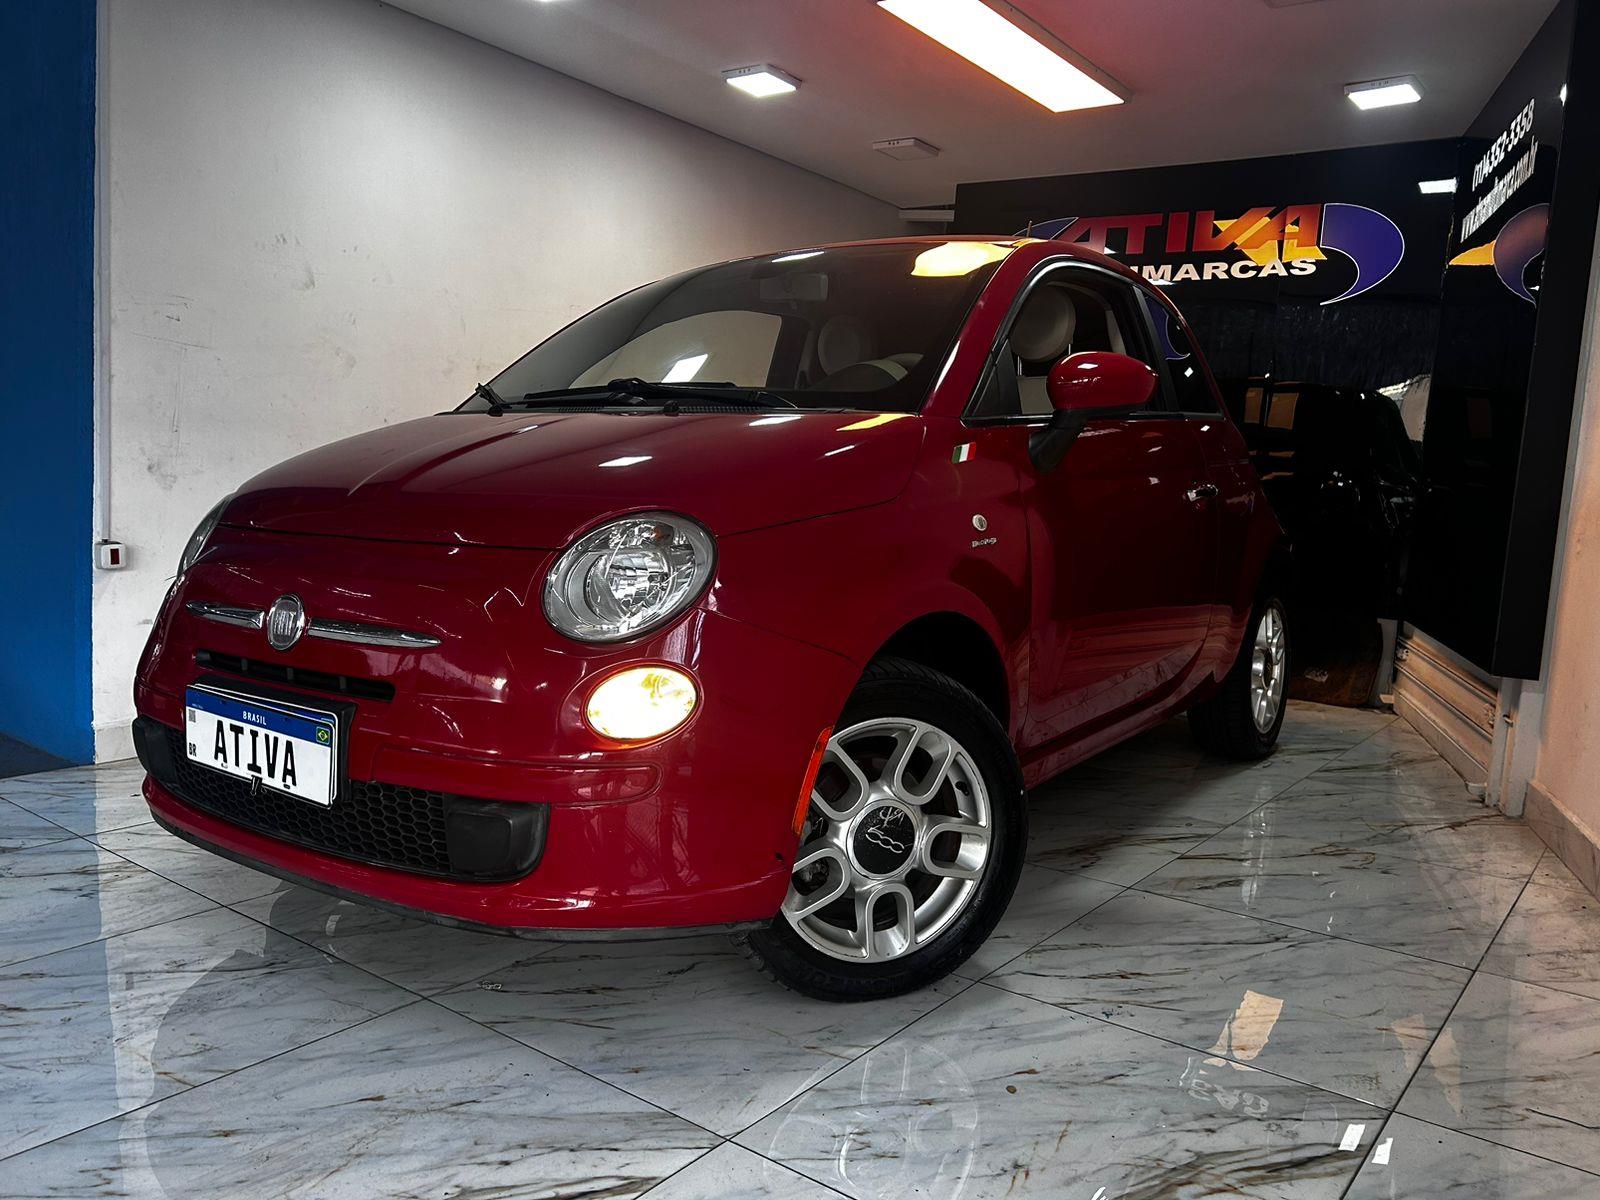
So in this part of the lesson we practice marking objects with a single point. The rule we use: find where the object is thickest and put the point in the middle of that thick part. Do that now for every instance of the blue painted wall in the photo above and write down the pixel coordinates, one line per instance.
(47, 63)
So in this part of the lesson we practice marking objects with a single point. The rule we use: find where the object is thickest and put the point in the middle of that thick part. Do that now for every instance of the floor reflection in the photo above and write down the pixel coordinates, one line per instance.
(1332, 973)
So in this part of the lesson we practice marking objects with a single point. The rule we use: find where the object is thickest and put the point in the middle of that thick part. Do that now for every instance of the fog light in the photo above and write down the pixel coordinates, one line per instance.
(641, 703)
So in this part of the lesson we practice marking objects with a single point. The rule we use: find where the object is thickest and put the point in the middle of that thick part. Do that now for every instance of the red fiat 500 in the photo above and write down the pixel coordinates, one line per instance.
(753, 599)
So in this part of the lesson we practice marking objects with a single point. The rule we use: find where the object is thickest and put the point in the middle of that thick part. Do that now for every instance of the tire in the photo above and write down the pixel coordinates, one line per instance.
(1232, 723)
(932, 895)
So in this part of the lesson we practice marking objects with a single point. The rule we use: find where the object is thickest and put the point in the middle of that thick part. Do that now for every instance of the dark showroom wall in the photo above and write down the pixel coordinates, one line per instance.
(1515, 298)
(47, 54)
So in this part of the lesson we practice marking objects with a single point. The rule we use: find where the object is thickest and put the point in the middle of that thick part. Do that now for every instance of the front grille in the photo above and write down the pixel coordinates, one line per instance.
(271, 672)
(379, 823)
(386, 824)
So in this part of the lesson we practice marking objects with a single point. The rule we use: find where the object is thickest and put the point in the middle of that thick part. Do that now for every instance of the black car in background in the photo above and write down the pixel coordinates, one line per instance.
(1345, 478)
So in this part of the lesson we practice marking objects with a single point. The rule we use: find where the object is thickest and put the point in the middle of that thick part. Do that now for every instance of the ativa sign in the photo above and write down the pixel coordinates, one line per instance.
(1260, 243)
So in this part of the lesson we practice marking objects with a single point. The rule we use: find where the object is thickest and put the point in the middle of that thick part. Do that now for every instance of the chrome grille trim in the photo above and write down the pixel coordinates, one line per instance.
(357, 632)
(363, 634)
(228, 614)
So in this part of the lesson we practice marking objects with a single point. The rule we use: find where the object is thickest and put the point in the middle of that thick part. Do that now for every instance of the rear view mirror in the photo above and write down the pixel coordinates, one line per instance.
(1088, 384)
(805, 287)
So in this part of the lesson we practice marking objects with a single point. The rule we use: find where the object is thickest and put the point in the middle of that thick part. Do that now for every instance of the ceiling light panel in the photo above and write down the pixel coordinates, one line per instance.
(761, 80)
(1384, 93)
(906, 148)
(989, 41)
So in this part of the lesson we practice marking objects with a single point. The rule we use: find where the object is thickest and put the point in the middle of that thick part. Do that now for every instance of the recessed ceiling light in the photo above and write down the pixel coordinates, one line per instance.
(988, 40)
(906, 149)
(761, 80)
(1435, 187)
(1384, 93)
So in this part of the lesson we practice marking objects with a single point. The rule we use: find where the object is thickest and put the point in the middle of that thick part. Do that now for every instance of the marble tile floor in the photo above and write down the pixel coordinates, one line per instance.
(1332, 974)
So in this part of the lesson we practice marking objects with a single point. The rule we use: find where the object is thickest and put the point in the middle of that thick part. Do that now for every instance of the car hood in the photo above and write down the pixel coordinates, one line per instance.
(535, 480)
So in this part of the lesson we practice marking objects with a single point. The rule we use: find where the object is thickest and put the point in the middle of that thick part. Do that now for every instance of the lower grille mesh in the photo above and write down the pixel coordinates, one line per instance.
(379, 823)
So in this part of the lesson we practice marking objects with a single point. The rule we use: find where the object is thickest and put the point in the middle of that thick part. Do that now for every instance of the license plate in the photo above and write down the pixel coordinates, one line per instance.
(285, 747)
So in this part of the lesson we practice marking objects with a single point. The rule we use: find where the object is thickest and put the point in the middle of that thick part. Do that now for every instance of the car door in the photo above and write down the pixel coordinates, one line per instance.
(1232, 469)
(1122, 534)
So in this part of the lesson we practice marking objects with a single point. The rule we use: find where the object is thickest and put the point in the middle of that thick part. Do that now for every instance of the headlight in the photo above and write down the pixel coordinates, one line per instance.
(202, 532)
(641, 703)
(628, 577)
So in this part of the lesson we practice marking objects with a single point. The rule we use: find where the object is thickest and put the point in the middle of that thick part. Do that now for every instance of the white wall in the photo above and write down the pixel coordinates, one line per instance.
(322, 215)
(1562, 801)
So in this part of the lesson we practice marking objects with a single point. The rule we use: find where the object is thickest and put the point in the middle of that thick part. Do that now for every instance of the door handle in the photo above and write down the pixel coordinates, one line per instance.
(1200, 491)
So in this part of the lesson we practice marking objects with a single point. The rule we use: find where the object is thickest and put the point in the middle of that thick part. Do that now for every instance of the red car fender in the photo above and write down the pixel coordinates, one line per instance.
(851, 582)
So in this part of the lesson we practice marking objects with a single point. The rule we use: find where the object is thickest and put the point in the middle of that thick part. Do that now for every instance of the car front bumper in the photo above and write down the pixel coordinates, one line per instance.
(690, 831)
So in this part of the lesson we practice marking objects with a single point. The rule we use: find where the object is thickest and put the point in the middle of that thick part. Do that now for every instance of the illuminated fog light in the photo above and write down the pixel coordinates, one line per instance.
(641, 703)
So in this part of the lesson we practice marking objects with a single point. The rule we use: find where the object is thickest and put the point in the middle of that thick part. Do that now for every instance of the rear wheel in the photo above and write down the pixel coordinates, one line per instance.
(912, 845)
(1243, 719)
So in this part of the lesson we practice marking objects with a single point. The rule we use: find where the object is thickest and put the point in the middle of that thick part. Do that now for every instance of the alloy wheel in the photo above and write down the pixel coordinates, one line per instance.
(895, 843)
(1267, 669)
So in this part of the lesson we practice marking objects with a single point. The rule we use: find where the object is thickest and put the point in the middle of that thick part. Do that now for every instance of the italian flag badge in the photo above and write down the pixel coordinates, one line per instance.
(963, 452)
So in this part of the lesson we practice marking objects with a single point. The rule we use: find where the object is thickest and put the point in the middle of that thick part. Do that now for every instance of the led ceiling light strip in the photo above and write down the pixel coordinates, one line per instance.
(997, 45)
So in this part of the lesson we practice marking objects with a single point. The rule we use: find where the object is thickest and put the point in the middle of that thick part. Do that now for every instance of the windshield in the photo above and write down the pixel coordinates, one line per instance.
(850, 327)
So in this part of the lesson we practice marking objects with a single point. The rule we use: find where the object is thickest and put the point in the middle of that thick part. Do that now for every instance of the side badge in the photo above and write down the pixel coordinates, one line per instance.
(963, 452)
(981, 524)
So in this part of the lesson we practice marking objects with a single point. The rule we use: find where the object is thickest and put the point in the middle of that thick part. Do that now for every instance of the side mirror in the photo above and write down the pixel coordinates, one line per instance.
(1088, 384)
(1099, 384)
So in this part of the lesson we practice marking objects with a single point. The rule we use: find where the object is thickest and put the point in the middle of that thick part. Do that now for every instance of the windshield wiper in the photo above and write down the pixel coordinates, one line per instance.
(708, 390)
(485, 391)
(673, 393)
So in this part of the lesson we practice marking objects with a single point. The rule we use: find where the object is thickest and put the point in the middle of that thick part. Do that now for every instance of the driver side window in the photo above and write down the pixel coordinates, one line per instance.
(1066, 312)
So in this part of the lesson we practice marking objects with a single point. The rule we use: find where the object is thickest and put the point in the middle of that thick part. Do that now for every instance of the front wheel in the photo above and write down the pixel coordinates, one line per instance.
(1243, 719)
(912, 845)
